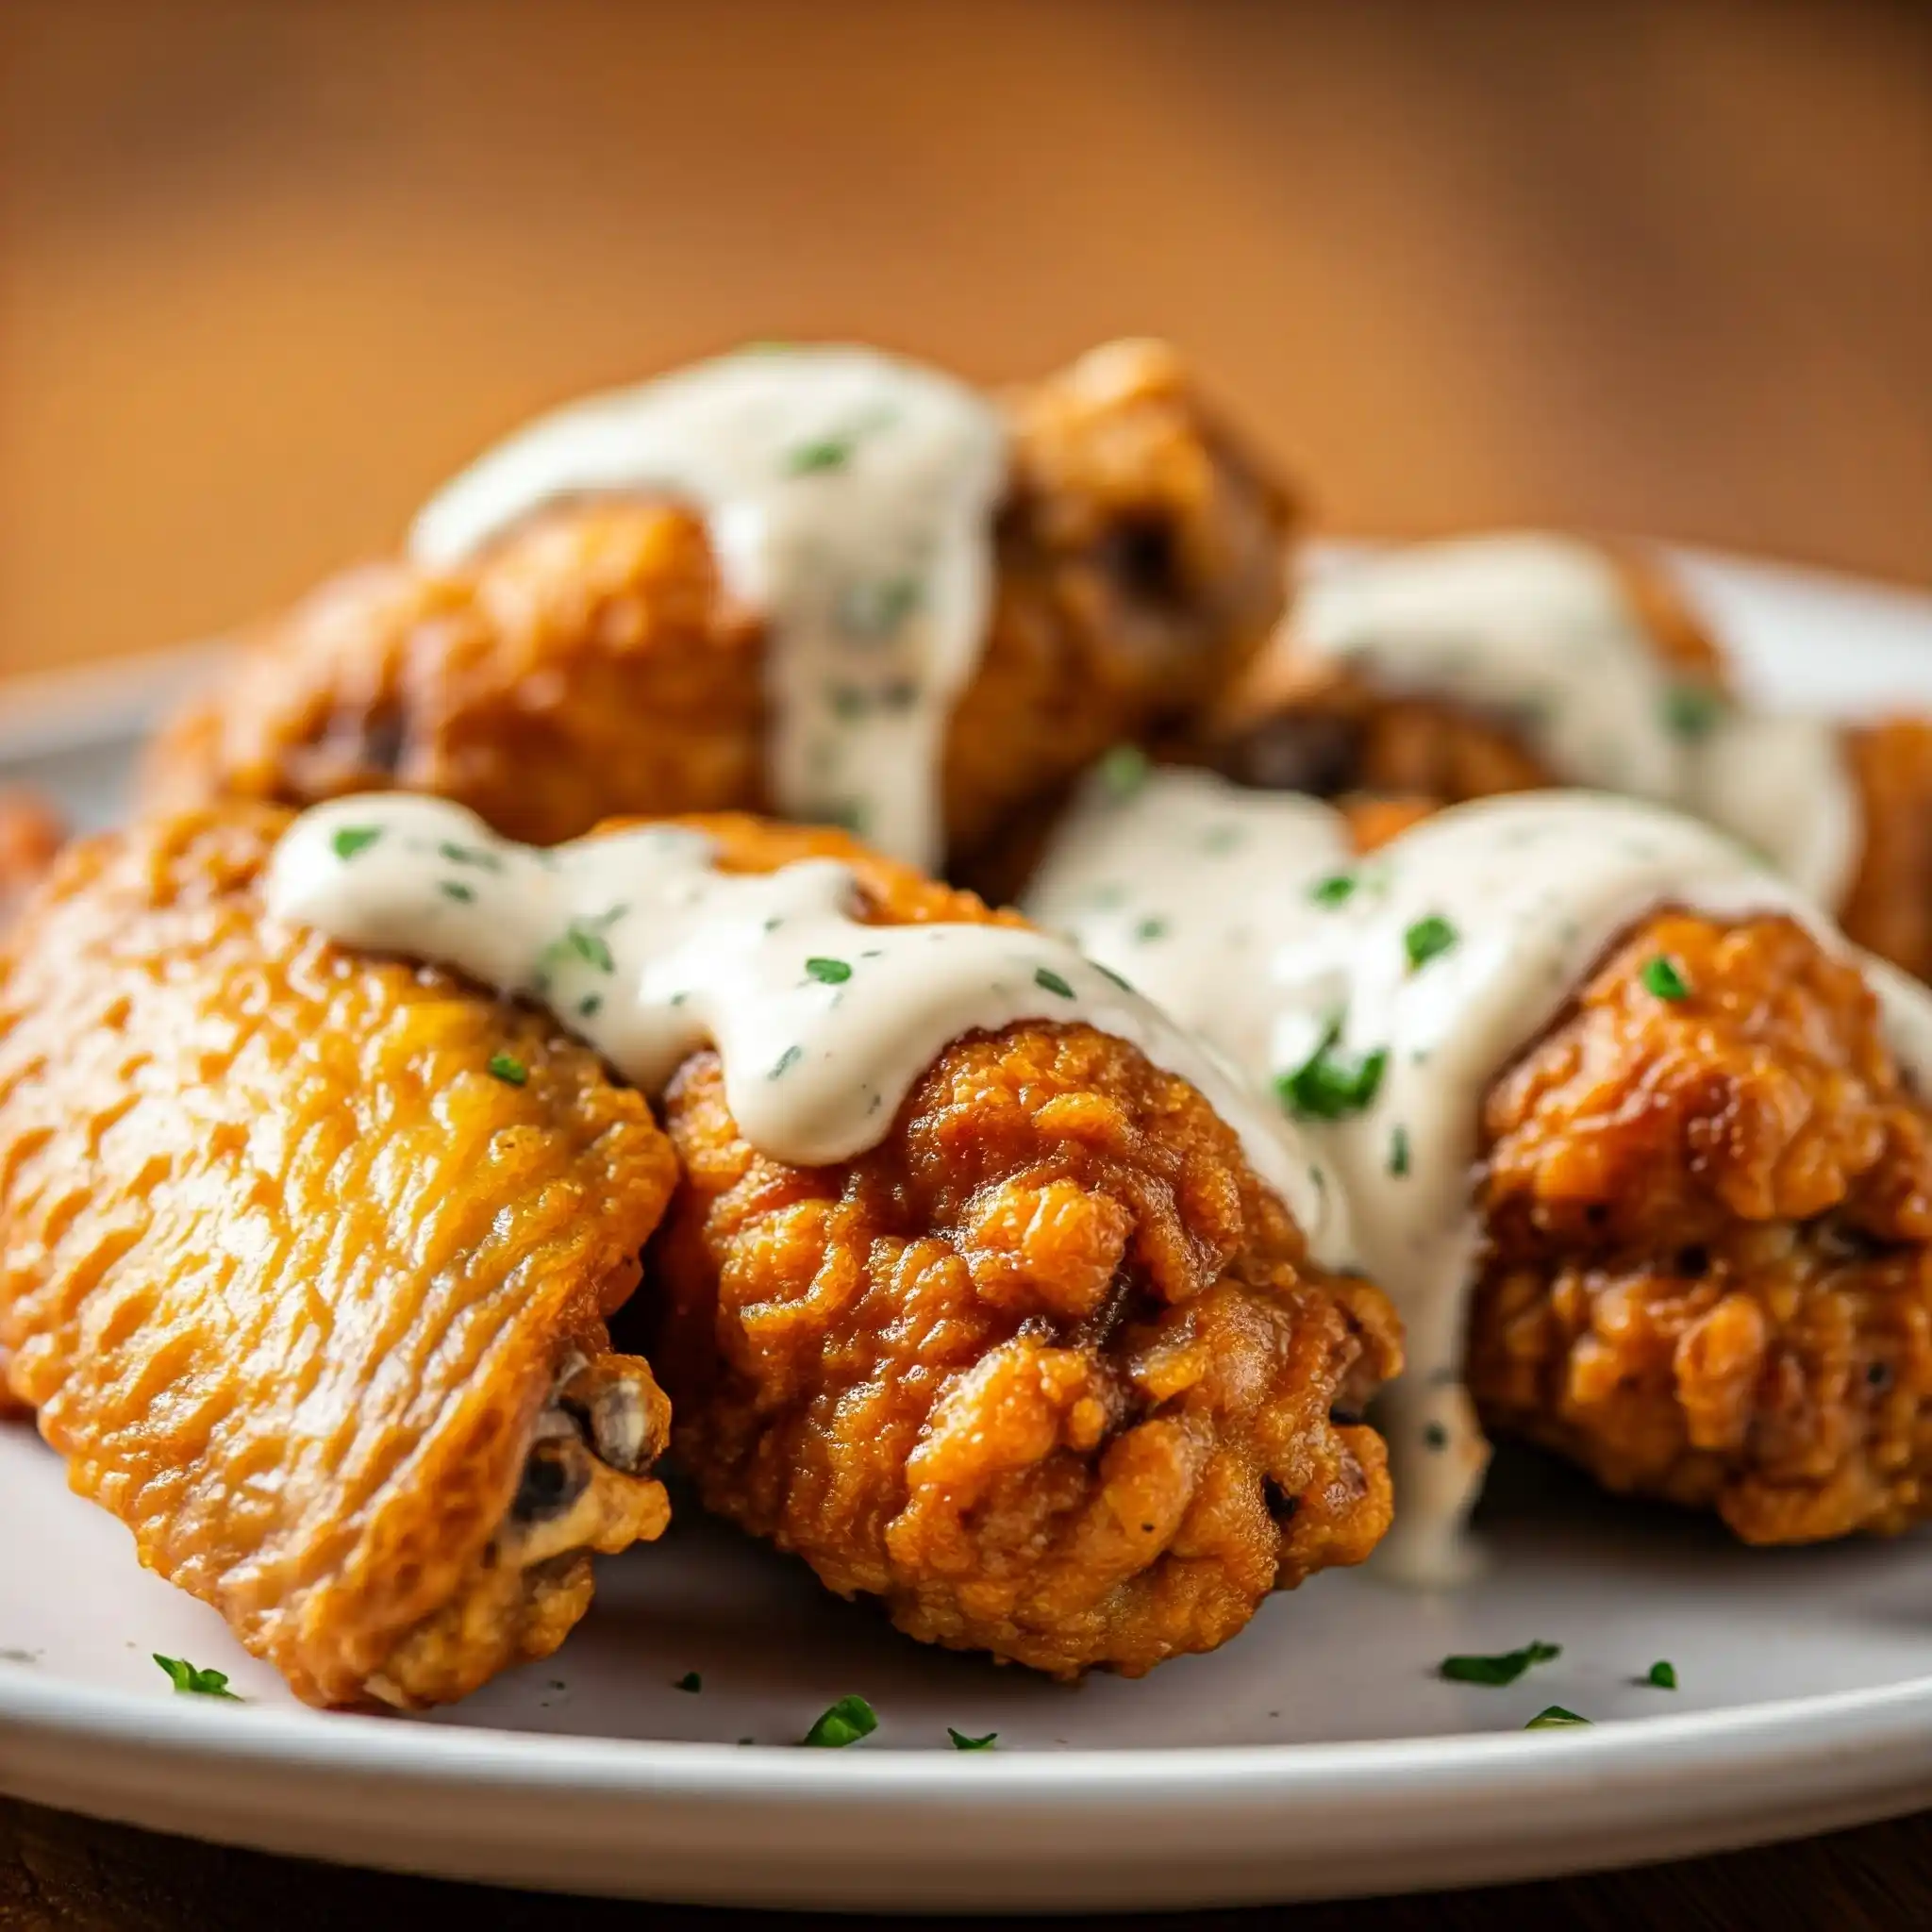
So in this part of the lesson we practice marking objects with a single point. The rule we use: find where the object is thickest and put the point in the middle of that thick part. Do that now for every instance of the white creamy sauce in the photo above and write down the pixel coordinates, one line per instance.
(1539, 631)
(850, 498)
(643, 948)
(1509, 903)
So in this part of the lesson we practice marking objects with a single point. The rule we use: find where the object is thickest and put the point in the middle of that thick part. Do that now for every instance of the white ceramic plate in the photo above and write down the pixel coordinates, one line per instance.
(1318, 1754)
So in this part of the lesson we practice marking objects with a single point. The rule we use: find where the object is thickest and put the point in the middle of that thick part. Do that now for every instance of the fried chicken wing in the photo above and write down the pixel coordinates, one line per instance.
(306, 1259)
(588, 663)
(1047, 1370)
(1706, 1272)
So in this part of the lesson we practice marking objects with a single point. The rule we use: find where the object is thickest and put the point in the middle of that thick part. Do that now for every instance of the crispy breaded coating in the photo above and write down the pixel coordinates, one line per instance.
(1048, 1371)
(1888, 908)
(303, 1293)
(1295, 724)
(1707, 1219)
(590, 665)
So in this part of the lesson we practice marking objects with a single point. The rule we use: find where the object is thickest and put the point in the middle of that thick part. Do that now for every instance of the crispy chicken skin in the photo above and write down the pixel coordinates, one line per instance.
(1048, 1371)
(1708, 1276)
(1888, 907)
(591, 665)
(1297, 724)
(303, 1293)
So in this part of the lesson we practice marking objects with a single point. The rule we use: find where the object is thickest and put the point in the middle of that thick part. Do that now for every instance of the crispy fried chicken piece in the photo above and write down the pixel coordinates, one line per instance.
(31, 832)
(1708, 1276)
(303, 1292)
(589, 664)
(1047, 1370)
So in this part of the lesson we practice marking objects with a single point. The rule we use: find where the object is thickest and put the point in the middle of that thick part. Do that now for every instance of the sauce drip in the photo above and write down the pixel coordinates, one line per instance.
(641, 947)
(1540, 631)
(850, 498)
(1508, 902)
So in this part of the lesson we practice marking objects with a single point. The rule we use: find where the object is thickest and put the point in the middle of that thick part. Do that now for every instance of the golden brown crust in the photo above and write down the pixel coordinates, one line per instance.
(1047, 1370)
(588, 664)
(1300, 725)
(1707, 1276)
(31, 833)
(286, 1273)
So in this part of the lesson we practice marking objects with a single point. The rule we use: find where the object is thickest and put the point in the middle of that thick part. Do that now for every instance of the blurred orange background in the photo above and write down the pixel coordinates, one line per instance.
(267, 272)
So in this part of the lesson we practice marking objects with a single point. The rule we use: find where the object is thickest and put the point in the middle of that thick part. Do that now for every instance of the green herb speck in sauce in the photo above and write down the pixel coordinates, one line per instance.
(1107, 973)
(786, 1061)
(1663, 1675)
(184, 1677)
(509, 1069)
(829, 971)
(1124, 770)
(1663, 978)
(690, 1681)
(590, 1006)
(1553, 1717)
(824, 453)
(878, 610)
(1428, 938)
(1049, 981)
(590, 947)
(1398, 1152)
(350, 839)
(470, 855)
(1692, 710)
(1330, 1084)
(1503, 1667)
(1435, 1437)
(844, 1722)
(1151, 929)
(963, 1742)
(1333, 891)
(454, 889)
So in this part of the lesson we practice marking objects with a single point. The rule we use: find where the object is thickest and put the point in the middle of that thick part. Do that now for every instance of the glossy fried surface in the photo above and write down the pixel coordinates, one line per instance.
(30, 834)
(590, 665)
(290, 1277)
(1300, 725)
(1047, 1371)
(1889, 906)
(1707, 1276)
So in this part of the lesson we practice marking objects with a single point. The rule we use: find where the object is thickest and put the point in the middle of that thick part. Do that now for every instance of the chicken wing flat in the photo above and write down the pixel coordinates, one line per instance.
(304, 1264)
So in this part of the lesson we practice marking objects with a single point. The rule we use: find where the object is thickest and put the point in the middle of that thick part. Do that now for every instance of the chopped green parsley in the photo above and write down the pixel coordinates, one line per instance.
(1398, 1152)
(963, 1742)
(690, 1681)
(844, 1722)
(1335, 889)
(1553, 1717)
(1662, 979)
(470, 855)
(1049, 981)
(509, 1069)
(786, 1061)
(1107, 973)
(826, 453)
(829, 971)
(1124, 770)
(184, 1677)
(454, 889)
(1330, 1085)
(350, 839)
(1503, 1667)
(590, 946)
(1435, 1437)
(1151, 929)
(1428, 938)
(590, 1006)
(1663, 1675)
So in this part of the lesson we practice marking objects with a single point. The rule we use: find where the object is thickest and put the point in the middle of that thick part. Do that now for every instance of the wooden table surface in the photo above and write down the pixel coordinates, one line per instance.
(267, 272)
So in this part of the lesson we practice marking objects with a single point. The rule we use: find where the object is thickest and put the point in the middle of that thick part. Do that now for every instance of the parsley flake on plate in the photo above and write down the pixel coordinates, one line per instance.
(1335, 889)
(844, 1722)
(963, 1742)
(1503, 1668)
(1663, 1675)
(1049, 981)
(509, 1069)
(690, 1681)
(185, 1677)
(1331, 1084)
(829, 971)
(1553, 1717)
